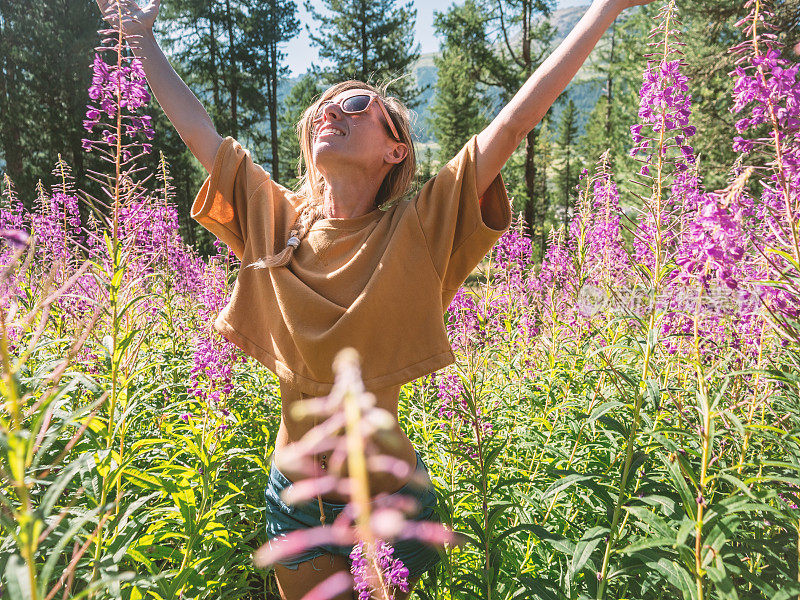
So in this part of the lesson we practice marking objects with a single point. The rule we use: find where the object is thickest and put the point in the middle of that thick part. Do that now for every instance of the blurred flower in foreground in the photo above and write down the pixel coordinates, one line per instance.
(15, 237)
(368, 524)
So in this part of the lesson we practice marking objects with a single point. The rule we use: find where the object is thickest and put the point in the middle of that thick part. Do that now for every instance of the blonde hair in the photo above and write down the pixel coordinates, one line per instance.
(395, 185)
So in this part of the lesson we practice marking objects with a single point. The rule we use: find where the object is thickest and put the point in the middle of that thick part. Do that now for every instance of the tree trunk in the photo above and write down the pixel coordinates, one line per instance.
(610, 81)
(567, 188)
(531, 213)
(10, 132)
(272, 103)
(544, 205)
(531, 207)
(526, 37)
(234, 72)
(214, 68)
(364, 41)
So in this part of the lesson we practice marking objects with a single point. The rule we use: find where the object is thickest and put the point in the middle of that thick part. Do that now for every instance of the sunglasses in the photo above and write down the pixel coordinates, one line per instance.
(355, 103)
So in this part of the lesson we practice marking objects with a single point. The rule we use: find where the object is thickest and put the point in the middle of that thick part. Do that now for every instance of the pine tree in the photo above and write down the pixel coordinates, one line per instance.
(511, 40)
(457, 111)
(425, 167)
(228, 54)
(223, 50)
(300, 97)
(45, 52)
(368, 40)
(621, 59)
(269, 24)
(567, 175)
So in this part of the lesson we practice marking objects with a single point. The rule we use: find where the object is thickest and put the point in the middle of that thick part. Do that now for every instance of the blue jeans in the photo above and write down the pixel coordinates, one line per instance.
(417, 556)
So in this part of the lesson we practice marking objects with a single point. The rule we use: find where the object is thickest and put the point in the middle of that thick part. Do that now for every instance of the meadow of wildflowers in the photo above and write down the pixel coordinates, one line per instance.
(622, 421)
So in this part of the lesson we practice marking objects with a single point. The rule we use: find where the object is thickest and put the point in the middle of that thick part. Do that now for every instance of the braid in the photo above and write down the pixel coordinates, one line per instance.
(307, 217)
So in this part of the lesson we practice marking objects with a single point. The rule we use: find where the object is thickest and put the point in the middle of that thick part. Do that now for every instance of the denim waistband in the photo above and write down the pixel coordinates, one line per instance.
(278, 481)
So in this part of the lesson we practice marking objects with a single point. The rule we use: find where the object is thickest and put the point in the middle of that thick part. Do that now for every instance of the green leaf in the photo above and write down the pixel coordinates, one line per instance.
(585, 547)
(129, 304)
(55, 554)
(495, 512)
(649, 518)
(603, 409)
(61, 481)
(679, 482)
(613, 425)
(564, 483)
(672, 572)
(653, 393)
(556, 541)
(493, 454)
(17, 578)
(477, 529)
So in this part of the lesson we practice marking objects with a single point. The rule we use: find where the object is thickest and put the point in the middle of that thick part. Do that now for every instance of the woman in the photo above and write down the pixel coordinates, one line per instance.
(325, 267)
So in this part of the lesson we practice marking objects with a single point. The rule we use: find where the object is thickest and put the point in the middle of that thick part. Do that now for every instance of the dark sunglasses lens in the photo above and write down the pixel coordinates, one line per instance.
(355, 104)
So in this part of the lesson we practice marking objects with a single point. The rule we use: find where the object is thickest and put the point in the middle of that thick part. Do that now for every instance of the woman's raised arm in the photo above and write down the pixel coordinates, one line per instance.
(501, 137)
(180, 105)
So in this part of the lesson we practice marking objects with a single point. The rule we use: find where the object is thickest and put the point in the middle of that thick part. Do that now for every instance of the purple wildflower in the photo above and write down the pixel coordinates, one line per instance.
(394, 572)
(714, 243)
(122, 90)
(606, 259)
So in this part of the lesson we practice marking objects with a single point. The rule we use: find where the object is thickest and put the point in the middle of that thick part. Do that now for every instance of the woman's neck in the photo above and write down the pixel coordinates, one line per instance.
(347, 196)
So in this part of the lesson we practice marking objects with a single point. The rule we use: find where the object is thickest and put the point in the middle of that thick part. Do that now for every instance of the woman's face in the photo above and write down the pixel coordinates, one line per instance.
(359, 140)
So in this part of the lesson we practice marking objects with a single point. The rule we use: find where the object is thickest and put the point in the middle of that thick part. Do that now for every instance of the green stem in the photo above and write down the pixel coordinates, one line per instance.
(651, 329)
(784, 181)
(115, 266)
(705, 435)
(17, 458)
(484, 476)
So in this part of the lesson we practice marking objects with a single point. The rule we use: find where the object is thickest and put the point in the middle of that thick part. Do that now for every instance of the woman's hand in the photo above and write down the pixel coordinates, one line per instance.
(638, 2)
(631, 3)
(135, 20)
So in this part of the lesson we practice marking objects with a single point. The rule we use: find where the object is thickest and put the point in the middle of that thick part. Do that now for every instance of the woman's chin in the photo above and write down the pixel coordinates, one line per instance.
(326, 150)
(323, 146)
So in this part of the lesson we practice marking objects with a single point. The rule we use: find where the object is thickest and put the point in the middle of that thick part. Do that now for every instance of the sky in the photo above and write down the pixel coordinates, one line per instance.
(300, 54)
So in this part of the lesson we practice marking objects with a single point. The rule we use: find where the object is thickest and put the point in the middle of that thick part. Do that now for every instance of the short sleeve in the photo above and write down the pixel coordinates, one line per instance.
(221, 205)
(449, 212)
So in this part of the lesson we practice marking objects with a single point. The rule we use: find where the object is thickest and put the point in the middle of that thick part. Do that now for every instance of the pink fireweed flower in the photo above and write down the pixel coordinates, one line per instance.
(513, 257)
(554, 286)
(454, 409)
(394, 572)
(606, 259)
(117, 91)
(714, 243)
(768, 88)
(463, 321)
(214, 356)
(664, 103)
(767, 98)
(12, 212)
(557, 269)
(57, 225)
(665, 110)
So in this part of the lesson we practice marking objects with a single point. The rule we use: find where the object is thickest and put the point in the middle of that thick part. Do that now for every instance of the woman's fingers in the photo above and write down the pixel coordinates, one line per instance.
(113, 11)
(113, 8)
